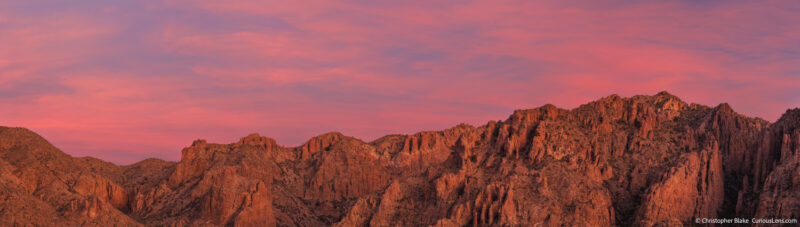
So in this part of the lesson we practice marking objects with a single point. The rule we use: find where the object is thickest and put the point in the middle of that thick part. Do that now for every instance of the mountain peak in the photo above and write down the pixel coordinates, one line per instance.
(790, 119)
(664, 93)
(319, 143)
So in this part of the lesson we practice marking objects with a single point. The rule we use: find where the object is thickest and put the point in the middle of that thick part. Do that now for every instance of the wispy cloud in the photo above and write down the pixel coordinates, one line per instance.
(125, 80)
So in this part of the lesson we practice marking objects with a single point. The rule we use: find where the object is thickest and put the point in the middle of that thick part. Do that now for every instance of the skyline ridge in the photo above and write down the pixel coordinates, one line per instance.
(586, 105)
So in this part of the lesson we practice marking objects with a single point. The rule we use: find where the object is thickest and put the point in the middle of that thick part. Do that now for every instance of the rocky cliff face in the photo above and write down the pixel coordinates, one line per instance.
(642, 161)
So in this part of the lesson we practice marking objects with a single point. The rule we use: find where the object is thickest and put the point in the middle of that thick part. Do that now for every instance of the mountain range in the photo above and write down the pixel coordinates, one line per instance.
(618, 161)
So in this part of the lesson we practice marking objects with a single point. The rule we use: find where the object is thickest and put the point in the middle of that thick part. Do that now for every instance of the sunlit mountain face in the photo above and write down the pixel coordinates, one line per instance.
(399, 113)
(611, 162)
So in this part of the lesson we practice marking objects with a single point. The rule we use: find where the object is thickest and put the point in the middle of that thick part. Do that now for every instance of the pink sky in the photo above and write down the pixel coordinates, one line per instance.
(128, 80)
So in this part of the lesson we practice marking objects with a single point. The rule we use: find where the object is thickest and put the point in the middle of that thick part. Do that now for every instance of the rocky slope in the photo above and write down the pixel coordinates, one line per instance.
(641, 161)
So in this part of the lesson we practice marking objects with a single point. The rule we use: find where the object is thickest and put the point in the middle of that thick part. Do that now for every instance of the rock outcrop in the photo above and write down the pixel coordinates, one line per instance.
(780, 195)
(638, 161)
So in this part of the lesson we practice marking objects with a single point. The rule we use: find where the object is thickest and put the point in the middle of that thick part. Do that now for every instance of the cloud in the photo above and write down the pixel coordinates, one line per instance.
(126, 80)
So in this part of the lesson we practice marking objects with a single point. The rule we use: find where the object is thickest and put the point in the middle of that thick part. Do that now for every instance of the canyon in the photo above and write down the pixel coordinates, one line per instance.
(618, 161)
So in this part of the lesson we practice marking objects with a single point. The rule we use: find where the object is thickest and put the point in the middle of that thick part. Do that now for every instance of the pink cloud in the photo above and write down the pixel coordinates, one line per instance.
(126, 81)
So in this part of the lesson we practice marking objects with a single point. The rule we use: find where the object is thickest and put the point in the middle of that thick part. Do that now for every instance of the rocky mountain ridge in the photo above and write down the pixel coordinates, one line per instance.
(641, 161)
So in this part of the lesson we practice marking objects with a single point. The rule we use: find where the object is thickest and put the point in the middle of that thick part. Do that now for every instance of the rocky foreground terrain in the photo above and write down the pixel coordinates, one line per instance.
(641, 161)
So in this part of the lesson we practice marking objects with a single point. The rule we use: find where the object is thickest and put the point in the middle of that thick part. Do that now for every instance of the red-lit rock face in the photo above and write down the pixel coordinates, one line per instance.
(644, 161)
